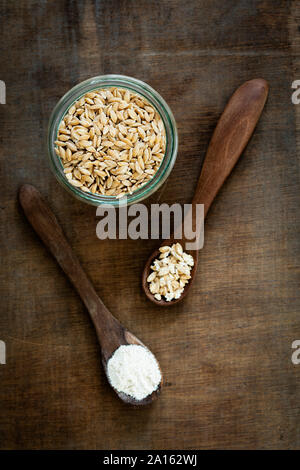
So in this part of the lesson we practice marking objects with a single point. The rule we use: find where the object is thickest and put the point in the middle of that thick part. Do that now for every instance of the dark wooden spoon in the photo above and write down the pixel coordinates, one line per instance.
(229, 139)
(111, 334)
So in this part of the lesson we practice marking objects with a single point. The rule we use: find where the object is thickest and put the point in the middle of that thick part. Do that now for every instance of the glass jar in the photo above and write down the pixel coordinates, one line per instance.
(137, 86)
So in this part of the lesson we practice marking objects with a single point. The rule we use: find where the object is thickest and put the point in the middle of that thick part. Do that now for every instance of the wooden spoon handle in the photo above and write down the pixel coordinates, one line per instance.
(229, 139)
(47, 227)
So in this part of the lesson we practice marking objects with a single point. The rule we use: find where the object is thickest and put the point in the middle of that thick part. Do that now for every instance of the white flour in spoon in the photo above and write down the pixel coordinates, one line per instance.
(133, 370)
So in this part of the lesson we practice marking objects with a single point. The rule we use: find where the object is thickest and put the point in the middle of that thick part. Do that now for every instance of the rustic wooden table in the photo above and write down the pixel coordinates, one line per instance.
(226, 350)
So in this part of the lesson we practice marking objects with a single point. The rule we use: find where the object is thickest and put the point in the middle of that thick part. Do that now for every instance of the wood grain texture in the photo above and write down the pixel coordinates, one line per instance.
(226, 350)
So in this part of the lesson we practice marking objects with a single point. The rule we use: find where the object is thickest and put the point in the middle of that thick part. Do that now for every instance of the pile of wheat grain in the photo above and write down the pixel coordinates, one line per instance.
(111, 142)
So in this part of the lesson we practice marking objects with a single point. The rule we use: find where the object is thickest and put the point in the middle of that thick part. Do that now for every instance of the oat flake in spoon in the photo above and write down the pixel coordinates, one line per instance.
(170, 272)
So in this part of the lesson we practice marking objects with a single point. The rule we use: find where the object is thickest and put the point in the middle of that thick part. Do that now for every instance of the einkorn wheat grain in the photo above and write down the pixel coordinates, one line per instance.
(111, 142)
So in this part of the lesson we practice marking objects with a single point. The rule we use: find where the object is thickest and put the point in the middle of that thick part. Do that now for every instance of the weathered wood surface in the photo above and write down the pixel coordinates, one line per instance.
(226, 350)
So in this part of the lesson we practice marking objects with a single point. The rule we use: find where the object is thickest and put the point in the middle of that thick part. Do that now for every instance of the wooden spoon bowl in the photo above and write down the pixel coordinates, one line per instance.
(233, 131)
(110, 332)
(155, 254)
(132, 339)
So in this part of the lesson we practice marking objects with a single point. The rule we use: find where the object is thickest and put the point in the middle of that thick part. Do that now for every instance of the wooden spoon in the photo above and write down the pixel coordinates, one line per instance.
(229, 139)
(111, 334)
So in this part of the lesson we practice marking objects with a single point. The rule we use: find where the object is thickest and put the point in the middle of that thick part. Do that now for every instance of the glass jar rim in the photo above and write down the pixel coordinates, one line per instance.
(139, 87)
